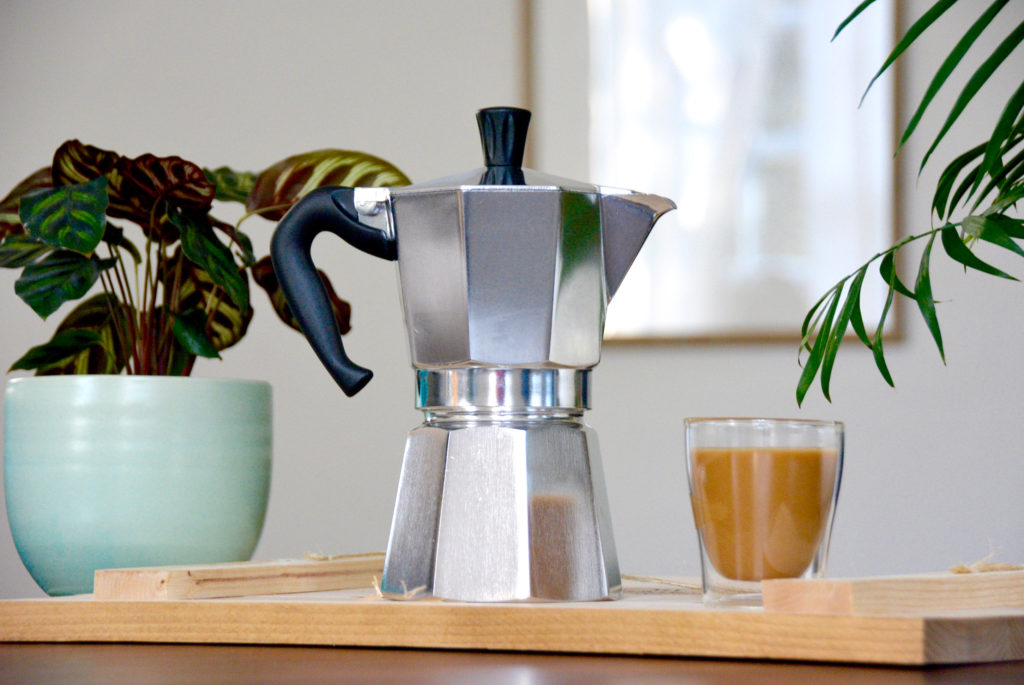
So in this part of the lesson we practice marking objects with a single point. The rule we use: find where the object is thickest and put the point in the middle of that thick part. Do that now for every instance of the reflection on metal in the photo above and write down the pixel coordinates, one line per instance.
(502, 495)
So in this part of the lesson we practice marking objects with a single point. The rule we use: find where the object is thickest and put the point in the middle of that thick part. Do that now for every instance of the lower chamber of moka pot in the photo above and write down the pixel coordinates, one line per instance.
(502, 495)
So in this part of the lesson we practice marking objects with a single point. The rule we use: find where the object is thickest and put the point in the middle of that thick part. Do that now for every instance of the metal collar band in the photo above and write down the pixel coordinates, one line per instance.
(495, 389)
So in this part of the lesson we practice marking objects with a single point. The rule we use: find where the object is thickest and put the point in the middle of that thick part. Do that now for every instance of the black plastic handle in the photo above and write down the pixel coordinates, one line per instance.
(324, 209)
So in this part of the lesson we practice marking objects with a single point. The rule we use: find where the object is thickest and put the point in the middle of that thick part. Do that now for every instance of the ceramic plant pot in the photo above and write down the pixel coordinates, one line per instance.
(123, 471)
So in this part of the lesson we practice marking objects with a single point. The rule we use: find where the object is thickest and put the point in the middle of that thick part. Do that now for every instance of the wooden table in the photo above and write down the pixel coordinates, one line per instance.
(83, 664)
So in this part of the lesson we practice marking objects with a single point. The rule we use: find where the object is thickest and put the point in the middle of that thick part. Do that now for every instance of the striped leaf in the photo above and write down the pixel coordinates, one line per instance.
(201, 246)
(263, 274)
(61, 347)
(74, 162)
(283, 184)
(231, 185)
(10, 220)
(69, 218)
(148, 188)
(58, 278)
(96, 316)
(190, 330)
(197, 291)
(240, 240)
(20, 250)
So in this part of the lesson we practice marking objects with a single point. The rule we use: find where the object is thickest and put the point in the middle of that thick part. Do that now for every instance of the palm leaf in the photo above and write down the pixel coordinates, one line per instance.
(853, 15)
(950, 63)
(810, 322)
(1009, 173)
(817, 353)
(923, 295)
(1002, 133)
(1012, 227)
(994, 230)
(839, 330)
(877, 350)
(965, 186)
(918, 27)
(958, 252)
(975, 83)
(948, 179)
(856, 317)
(1009, 197)
(887, 270)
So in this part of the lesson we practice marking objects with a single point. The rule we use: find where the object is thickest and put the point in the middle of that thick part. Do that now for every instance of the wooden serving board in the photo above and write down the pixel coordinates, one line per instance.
(652, 618)
(239, 579)
(924, 594)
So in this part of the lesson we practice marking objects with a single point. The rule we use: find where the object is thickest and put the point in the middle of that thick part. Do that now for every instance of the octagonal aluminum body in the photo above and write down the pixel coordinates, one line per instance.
(511, 276)
(502, 511)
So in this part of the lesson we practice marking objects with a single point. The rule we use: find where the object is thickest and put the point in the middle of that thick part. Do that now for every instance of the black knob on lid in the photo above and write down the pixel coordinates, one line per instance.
(503, 135)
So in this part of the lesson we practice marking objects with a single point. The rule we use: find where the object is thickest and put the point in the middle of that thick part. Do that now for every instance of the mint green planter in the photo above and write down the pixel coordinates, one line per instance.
(121, 471)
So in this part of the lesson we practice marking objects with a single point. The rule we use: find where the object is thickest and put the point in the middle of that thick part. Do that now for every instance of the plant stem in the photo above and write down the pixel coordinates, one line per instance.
(108, 287)
(172, 303)
(126, 297)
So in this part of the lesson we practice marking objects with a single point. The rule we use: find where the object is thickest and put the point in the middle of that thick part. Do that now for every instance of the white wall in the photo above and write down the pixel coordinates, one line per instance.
(933, 471)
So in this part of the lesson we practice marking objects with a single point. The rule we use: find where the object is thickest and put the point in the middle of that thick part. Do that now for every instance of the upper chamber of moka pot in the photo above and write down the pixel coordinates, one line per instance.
(508, 267)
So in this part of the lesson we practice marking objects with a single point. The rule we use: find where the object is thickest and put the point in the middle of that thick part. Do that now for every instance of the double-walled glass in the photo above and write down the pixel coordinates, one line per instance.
(763, 493)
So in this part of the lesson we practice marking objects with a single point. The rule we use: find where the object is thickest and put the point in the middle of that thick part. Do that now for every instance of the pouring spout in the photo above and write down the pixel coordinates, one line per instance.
(627, 218)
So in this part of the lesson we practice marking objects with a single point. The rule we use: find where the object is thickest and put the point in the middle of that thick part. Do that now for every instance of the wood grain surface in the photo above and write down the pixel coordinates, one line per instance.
(911, 594)
(651, 619)
(239, 579)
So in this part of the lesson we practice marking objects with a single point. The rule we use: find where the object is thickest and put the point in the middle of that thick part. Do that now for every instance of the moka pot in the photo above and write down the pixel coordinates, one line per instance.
(505, 274)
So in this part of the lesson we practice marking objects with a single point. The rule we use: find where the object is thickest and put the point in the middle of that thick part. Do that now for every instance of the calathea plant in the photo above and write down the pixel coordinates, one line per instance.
(970, 206)
(177, 287)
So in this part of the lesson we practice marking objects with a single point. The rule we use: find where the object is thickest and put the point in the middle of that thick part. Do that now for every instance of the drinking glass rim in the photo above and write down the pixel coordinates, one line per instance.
(761, 421)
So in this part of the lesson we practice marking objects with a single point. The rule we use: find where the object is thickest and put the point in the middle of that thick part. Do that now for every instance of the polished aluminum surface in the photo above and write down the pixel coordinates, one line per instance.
(502, 510)
(474, 389)
(512, 276)
(504, 287)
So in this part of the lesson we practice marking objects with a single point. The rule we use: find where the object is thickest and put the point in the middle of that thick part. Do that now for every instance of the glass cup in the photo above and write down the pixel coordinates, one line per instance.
(763, 493)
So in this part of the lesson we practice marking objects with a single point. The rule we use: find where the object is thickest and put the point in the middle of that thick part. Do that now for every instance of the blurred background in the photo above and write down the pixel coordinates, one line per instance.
(933, 473)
